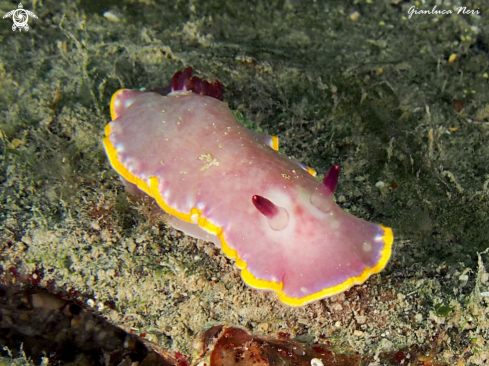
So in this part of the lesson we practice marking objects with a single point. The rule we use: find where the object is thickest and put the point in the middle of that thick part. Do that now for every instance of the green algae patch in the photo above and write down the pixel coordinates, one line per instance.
(443, 310)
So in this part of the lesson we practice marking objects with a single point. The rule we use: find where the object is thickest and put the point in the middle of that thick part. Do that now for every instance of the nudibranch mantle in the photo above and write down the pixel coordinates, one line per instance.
(221, 182)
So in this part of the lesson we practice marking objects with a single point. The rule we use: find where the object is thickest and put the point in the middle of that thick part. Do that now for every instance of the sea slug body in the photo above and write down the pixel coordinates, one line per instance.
(221, 182)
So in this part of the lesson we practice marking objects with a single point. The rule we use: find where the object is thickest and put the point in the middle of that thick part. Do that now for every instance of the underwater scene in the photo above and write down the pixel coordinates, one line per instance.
(222, 182)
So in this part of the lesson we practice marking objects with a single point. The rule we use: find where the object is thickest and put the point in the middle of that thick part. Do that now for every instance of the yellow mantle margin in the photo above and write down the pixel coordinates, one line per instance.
(151, 188)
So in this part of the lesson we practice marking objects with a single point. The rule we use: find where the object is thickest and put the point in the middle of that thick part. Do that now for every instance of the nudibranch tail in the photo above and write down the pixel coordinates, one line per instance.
(121, 100)
(277, 216)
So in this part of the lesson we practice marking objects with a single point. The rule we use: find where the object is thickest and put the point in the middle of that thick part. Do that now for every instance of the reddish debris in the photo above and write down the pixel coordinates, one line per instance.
(36, 276)
(458, 105)
(284, 335)
(399, 356)
(13, 271)
(181, 359)
(234, 346)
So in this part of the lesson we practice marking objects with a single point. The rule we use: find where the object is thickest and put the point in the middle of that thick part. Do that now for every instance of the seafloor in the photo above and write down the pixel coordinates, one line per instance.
(400, 103)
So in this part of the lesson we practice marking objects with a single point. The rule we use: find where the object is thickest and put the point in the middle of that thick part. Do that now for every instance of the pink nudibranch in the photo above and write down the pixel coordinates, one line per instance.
(221, 182)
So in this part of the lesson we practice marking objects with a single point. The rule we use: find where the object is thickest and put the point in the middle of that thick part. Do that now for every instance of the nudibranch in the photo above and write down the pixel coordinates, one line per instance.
(221, 182)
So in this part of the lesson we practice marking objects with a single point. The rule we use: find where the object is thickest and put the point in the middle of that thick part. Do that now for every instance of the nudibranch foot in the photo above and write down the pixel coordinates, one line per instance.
(219, 181)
